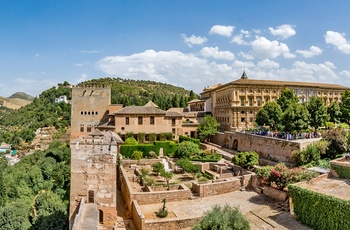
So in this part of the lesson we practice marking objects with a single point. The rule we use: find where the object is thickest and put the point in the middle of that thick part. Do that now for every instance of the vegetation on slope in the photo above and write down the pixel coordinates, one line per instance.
(139, 92)
(34, 193)
(22, 95)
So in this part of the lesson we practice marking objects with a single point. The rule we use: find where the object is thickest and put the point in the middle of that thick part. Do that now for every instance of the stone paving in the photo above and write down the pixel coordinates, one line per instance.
(258, 208)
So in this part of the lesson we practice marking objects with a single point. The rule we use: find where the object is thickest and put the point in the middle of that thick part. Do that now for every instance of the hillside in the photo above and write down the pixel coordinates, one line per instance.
(16, 100)
(21, 95)
(139, 92)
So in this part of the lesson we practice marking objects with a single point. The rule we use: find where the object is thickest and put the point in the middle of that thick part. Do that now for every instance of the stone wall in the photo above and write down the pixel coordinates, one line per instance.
(171, 223)
(149, 197)
(267, 147)
(137, 216)
(342, 162)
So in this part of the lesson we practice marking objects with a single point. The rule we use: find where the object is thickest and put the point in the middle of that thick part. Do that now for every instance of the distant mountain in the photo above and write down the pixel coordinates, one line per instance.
(21, 95)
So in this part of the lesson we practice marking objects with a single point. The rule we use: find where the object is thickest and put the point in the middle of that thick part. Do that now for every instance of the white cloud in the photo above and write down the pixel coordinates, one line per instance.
(215, 53)
(245, 56)
(36, 55)
(313, 51)
(268, 64)
(264, 48)
(238, 39)
(338, 40)
(33, 86)
(194, 40)
(243, 65)
(284, 31)
(185, 70)
(222, 30)
(79, 64)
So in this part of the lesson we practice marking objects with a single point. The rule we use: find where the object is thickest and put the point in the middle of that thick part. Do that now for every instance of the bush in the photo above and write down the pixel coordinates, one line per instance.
(130, 141)
(187, 149)
(152, 137)
(312, 154)
(223, 218)
(246, 159)
(184, 138)
(141, 137)
(188, 166)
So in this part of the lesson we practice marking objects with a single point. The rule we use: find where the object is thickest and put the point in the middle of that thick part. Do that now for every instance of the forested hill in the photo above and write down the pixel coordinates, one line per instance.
(139, 92)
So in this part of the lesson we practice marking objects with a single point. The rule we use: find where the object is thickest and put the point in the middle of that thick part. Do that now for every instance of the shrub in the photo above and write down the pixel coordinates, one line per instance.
(152, 137)
(246, 159)
(184, 138)
(312, 154)
(130, 141)
(188, 166)
(141, 137)
(186, 149)
(137, 155)
(157, 167)
(223, 218)
(162, 212)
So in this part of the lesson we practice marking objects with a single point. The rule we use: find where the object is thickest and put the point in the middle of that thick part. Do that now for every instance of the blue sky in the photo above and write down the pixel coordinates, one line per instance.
(188, 43)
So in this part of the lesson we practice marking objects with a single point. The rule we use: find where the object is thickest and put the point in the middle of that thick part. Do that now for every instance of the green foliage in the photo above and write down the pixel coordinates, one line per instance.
(318, 112)
(129, 134)
(279, 176)
(141, 137)
(342, 171)
(3, 193)
(152, 137)
(206, 157)
(139, 92)
(19, 126)
(312, 153)
(319, 211)
(225, 218)
(334, 112)
(246, 159)
(296, 118)
(187, 149)
(163, 212)
(337, 139)
(130, 141)
(16, 215)
(207, 127)
(167, 176)
(188, 166)
(157, 167)
(345, 106)
(287, 99)
(270, 115)
(184, 138)
(137, 155)
(169, 147)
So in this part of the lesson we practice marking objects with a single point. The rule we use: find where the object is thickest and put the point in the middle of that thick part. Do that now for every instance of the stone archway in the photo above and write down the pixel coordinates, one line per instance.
(235, 144)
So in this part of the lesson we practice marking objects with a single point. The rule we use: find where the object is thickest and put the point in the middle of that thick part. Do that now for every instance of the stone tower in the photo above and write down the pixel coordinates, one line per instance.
(93, 190)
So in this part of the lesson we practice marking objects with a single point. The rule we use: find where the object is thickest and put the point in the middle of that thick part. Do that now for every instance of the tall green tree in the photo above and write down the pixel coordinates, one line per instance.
(187, 149)
(334, 112)
(345, 106)
(318, 113)
(296, 118)
(3, 193)
(225, 218)
(287, 98)
(270, 115)
(207, 127)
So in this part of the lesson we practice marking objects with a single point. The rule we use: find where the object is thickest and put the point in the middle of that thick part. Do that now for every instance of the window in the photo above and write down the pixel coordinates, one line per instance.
(242, 119)
(242, 101)
(81, 128)
(88, 128)
(173, 131)
(96, 113)
(242, 112)
(258, 101)
(173, 121)
(266, 99)
(250, 101)
(140, 120)
(127, 120)
(81, 113)
(251, 111)
(151, 121)
(251, 119)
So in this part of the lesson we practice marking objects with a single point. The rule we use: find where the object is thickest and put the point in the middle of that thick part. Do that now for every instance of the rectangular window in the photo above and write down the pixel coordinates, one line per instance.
(151, 121)
(250, 119)
(173, 121)
(266, 99)
(242, 119)
(88, 128)
(173, 131)
(242, 101)
(81, 128)
(140, 120)
(127, 120)
(258, 101)
(250, 101)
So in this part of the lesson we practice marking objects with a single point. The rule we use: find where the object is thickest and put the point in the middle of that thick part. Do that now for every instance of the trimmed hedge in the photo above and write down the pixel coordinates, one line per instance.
(184, 138)
(342, 171)
(168, 148)
(319, 211)
(208, 158)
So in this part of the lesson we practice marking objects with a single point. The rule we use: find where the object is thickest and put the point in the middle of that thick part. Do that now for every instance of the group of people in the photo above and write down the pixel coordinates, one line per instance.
(288, 136)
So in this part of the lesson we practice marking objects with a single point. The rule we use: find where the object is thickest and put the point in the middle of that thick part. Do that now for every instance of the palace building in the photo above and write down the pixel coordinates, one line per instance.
(236, 103)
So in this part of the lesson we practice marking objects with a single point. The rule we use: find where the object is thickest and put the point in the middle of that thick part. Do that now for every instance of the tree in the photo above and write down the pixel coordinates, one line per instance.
(318, 113)
(3, 193)
(287, 98)
(334, 112)
(207, 127)
(167, 176)
(226, 218)
(157, 167)
(137, 155)
(246, 159)
(130, 141)
(186, 149)
(337, 139)
(345, 106)
(270, 115)
(296, 118)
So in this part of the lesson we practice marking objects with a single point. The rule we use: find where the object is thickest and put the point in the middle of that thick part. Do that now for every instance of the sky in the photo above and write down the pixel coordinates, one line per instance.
(188, 43)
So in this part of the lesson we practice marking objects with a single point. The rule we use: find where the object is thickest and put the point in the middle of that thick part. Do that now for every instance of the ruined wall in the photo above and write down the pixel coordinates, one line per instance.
(170, 223)
(267, 147)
